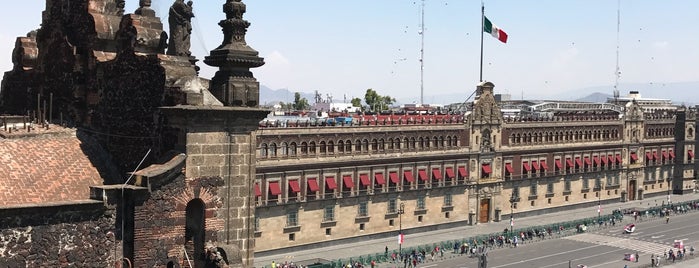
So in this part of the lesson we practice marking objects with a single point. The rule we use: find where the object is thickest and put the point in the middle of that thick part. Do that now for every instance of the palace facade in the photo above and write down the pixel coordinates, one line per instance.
(324, 184)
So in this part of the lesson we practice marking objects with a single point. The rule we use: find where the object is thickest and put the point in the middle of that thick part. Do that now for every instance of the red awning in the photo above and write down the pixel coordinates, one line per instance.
(313, 185)
(486, 168)
(569, 163)
(347, 179)
(436, 174)
(672, 154)
(408, 175)
(690, 153)
(525, 166)
(450, 172)
(618, 158)
(604, 159)
(543, 165)
(578, 161)
(655, 155)
(596, 160)
(508, 168)
(558, 163)
(634, 157)
(330, 183)
(535, 165)
(649, 156)
(665, 156)
(587, 161)
(422, 175)
(294, 185)
(274, 188)
(257, 190)
(364, 179)
(379, 178)
(394, 177)
(462, 172)
(611, 159)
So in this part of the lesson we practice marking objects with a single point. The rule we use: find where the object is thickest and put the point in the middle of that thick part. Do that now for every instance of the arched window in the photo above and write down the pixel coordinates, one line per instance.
(358, 146)
(284, 150)
(292, 149)
(323, 147)
(273, 150)
(312, 147)
(365, 146)
(263, 150)
(340, 146)
(374, 145)
(348, 146)
(331, 147)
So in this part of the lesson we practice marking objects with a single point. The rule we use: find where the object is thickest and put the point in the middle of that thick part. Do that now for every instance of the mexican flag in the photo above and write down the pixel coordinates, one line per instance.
(401, 238)
(493, 30)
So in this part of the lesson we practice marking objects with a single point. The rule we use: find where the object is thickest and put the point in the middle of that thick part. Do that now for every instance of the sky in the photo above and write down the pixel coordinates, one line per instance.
(343, 48)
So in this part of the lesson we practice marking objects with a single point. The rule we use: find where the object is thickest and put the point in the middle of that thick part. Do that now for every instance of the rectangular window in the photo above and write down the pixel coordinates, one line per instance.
(567, 185)
(257, 224)
(515, 191)
(549, 188)
(532, 189)
(391, 206)
(329, 214)
(363, 209)
(421, 202)
(598, 183)
(447, 200)
(585, 184)
(292, 218)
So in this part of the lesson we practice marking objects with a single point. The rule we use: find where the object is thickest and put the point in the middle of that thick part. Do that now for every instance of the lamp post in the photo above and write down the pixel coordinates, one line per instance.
(599, 205)
(512, 212)
(401, 210)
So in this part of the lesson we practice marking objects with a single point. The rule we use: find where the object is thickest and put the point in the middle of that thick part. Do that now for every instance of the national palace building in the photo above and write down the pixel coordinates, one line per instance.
(318, 184)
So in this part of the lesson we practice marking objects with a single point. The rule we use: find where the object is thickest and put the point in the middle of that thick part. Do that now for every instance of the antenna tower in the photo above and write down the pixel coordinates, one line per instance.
(617, 73)
(422, 52)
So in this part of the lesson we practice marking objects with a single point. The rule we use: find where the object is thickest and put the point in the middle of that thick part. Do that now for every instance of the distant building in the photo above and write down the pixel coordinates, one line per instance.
(649, 105)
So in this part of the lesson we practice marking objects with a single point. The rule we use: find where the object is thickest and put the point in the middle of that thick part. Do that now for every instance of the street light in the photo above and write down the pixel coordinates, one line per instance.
(599, 206)
(401, 210)
(512, 212)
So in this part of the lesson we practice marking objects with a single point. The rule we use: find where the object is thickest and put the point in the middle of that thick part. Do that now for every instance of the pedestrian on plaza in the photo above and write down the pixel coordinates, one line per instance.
(274, 265)
(385, 251)
(373, 263)
(636, 256)
(652, 260)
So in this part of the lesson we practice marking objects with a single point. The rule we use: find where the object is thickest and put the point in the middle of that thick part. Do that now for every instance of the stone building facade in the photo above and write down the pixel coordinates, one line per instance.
(320, 185)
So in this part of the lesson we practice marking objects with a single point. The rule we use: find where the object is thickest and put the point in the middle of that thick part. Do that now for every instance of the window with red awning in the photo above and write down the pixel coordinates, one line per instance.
(596, 159)
(379, 178)
(655, 155)
(558, 163)
(274, 188)
(394, 177)
(618, 158)
(462, 172)
(348, 181)
(535, 165)
(436, 174)
(422, 175)
(649, 156)
(330, 183)
(450, 172)
(578, 161)
(313, 185)
(408, 175)
(364, 179)
(634, 157)
(294, 185)
(525, 166)
(665, 156)
(257, 190)
(508, 168)
(543, 164)
(587, 161)
(690, 153)
(486, 168)
(672, 154)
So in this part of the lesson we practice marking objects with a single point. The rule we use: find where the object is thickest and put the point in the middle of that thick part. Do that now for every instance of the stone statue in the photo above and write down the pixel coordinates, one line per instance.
(180, 19)
(144, 9)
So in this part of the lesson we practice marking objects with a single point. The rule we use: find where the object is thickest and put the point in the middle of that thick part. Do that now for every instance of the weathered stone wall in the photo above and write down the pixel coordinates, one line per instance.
(77, 235)
(160, 222)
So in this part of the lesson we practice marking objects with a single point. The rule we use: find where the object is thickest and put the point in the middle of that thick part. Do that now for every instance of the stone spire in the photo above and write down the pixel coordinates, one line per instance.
(234, 84)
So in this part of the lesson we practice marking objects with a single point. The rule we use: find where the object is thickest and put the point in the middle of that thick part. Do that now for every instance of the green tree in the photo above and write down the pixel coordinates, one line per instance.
(300, 103)
(377, 102)
(357, 102)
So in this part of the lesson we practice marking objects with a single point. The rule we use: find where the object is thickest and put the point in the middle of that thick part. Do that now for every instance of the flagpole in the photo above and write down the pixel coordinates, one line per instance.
(482, 27)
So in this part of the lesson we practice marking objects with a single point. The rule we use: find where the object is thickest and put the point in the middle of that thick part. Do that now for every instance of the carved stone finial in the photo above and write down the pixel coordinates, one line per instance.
(144, 9)
(234, 84)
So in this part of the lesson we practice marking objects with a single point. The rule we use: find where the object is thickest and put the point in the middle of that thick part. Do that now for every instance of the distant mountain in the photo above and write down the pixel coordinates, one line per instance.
(270, 96)
(595, 97)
